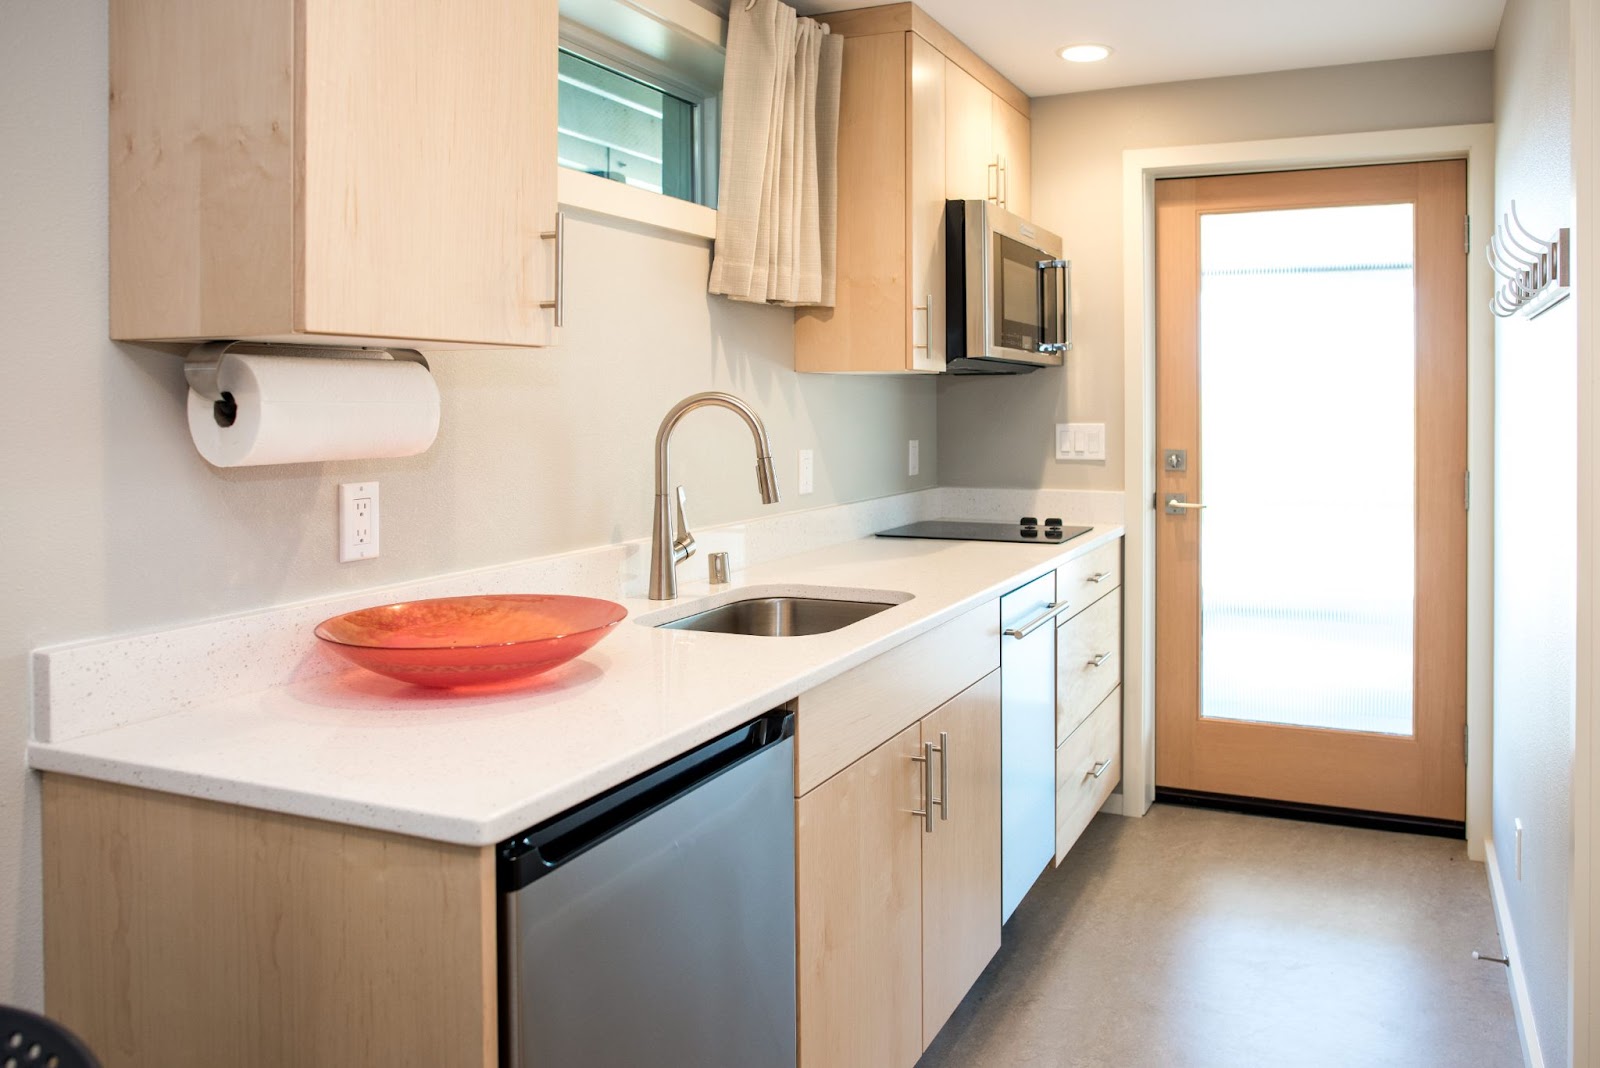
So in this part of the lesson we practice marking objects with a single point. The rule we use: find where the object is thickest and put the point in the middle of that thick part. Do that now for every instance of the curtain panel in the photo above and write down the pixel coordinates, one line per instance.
(778, 189)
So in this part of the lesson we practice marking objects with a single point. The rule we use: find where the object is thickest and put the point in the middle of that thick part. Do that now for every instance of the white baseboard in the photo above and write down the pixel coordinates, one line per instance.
(1522, 1008)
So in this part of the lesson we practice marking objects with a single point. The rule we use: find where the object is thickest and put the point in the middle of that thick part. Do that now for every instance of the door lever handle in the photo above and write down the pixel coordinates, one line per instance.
(1177, 505)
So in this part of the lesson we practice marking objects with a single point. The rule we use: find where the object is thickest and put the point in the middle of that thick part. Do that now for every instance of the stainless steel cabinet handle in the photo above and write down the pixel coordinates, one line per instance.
(1101, 659)
(1098, 577)
(1005, 187)
(1051, 610)
(1099, 769)
(992, 181)
(944, 774)
(928, 800)
(559, 236)
(928, 307)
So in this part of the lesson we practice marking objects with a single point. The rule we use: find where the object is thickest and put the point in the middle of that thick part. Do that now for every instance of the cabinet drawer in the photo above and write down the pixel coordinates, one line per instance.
(1079, 791)
(853, 714)
(1088, 662)
(1086, 579)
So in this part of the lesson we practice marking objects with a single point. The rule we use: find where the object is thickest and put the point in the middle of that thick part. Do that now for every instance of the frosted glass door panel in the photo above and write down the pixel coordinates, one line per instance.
(1308, 433)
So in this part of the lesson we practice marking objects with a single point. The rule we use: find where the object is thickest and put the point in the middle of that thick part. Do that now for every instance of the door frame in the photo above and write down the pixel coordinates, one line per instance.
(1140, 170)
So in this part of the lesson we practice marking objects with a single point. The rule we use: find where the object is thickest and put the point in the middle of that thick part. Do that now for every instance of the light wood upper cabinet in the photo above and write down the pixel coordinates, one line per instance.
(322, 170)
(988, 153)
(916, 127)
(858, 895)
(970, 168)
(1013, 150)
(961, 858)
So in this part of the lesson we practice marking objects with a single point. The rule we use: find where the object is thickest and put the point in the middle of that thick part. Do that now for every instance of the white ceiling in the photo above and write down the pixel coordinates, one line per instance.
(1175, 40)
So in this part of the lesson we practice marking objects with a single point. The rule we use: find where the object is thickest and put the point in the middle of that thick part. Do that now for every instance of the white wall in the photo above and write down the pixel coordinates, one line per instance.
(1536, 521)
(111, 522)
(999, 431)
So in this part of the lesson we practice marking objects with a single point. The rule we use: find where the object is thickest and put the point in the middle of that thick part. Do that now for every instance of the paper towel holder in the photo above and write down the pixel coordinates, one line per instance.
(201, 364)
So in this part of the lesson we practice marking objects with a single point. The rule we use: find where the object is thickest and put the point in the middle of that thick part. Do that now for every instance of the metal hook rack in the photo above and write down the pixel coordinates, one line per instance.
(1535, 274)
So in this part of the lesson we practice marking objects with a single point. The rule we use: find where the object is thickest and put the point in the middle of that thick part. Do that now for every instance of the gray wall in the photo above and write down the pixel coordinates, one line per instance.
(111, 521)
(1535, 530)
(1000, 431)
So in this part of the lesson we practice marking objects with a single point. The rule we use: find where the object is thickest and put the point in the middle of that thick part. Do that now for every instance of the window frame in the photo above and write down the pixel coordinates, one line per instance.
(707, 101)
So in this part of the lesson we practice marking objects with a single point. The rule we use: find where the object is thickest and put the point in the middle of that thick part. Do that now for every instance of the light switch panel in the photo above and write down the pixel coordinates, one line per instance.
(1080, 441)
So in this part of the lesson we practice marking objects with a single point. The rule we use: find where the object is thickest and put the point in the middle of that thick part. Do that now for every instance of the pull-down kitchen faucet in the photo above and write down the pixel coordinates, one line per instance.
(665, 551)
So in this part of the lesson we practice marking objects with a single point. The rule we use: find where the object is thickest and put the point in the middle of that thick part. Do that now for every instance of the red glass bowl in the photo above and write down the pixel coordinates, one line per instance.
(470, 641)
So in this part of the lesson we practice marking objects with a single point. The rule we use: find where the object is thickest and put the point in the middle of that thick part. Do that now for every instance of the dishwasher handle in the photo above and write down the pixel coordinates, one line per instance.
(544, 847)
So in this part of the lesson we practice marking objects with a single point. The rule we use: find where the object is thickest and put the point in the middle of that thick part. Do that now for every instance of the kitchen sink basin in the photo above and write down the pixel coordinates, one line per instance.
(779, 617)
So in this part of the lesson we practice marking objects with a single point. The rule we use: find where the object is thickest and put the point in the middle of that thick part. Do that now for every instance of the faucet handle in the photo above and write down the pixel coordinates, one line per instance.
(683, 547)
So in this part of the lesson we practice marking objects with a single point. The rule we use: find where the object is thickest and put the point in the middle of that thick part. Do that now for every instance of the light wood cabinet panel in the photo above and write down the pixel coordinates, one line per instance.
(1088, 662)
(961, 857)
(1087, 578)
(867, 329)
(850, 713)
(916, 118)
(328, 171)
(1088, 768)
(859, 920)
(970, 168)
(185, 932)
(1013, 148)
(925, 167)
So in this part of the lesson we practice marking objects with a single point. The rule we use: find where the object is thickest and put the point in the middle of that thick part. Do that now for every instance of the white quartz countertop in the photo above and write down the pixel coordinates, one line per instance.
(356, 748)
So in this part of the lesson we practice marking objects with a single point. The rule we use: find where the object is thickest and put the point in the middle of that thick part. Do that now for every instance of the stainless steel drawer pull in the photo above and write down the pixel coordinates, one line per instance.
(1101, 659)
(559, 236)
(1099, 770)
(928, 337)
(992, 181)
(1098, 577)
(1051, 610)
(928, 800)
(944, 774)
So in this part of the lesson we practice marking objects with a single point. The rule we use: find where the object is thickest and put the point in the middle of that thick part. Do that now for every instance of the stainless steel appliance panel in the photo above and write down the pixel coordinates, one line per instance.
(670, 942)
(1027, 738)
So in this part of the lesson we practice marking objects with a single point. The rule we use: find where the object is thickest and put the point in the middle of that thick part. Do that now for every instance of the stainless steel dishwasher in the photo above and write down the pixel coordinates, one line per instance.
(655, 923)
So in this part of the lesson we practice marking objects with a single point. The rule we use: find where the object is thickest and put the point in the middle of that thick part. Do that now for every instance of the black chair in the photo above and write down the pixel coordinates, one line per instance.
(28, 1040)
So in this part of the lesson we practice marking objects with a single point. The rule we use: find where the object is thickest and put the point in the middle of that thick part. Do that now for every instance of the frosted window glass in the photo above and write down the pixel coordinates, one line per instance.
(1308, 434)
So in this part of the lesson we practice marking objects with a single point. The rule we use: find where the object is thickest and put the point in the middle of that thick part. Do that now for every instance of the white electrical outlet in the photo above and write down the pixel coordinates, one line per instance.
(358, 521)
(1080, 441)
(1518, 824)
(914, 457)
(807, 477)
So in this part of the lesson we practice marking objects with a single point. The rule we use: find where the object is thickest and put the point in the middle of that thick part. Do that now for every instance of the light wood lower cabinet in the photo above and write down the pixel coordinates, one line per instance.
(186, 932)
(896, 920)
(1088, 768)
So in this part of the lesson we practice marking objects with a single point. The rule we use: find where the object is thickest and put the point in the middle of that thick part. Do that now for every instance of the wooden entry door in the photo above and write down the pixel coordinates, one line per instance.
(1311, 447)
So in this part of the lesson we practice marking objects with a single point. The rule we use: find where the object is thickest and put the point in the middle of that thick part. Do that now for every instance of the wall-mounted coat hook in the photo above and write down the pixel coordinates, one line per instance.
(1535, 274)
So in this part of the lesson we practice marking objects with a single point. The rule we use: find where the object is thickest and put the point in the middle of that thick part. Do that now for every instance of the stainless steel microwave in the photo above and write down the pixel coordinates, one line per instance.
(1008, 292)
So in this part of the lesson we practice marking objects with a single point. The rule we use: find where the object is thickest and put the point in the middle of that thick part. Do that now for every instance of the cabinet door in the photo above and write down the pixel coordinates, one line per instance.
(858, 854)
(970, 171)
(428, 134)
(1013, 146)
(926, 173)
(961, 856)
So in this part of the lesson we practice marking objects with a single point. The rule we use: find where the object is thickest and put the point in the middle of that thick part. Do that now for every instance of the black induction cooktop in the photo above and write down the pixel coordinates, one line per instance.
(1028, 529)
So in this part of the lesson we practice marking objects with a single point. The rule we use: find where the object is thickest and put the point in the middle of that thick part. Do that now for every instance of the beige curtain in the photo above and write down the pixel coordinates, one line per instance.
(778, 192)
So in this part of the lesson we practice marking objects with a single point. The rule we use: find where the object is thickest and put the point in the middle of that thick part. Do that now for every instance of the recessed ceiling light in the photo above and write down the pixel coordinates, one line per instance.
(1085, 53)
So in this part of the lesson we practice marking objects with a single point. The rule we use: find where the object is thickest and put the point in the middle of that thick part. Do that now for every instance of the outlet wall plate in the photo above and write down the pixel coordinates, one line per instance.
(358, 521)
(914, 457)
(808, 472)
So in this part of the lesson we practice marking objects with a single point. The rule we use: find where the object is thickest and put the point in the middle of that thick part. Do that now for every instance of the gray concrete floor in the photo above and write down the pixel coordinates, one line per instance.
(1200, 939)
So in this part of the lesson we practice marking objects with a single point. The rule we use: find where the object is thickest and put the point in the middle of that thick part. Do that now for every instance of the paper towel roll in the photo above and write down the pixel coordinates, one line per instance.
(303, 409)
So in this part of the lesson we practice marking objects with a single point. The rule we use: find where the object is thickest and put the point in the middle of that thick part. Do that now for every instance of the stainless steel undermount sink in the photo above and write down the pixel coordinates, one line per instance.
(779, 617)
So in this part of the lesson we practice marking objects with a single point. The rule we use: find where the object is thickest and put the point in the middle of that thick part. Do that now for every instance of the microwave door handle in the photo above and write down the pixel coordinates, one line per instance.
(1063, 323)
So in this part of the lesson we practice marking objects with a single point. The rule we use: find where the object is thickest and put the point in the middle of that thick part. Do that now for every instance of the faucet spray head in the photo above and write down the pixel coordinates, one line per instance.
(766, 480)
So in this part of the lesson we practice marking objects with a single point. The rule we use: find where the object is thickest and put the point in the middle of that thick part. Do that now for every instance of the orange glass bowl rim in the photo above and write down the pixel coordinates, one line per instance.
(572, 616)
